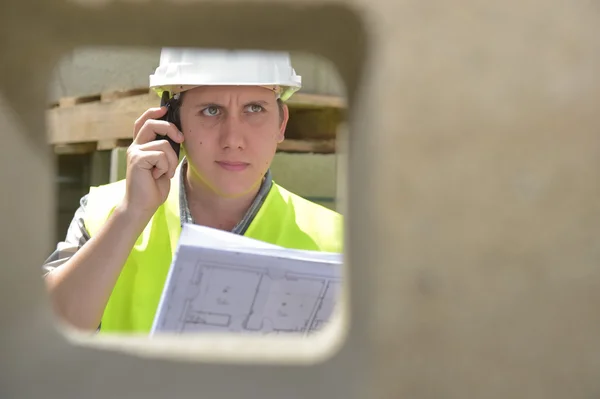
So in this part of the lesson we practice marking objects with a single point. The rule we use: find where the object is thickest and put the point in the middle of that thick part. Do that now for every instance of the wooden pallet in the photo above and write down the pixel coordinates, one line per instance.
(104, 121)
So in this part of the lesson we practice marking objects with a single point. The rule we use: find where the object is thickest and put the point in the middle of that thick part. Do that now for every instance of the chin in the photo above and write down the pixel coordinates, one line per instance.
(235, 189)
(228, 185)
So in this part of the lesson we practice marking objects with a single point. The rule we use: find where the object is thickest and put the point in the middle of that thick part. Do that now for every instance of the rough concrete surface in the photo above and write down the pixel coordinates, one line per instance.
(472, 236)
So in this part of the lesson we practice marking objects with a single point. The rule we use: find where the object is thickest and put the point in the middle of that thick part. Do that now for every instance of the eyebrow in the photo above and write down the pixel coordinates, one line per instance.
(259, 102)
(205, 105)
(215, 104)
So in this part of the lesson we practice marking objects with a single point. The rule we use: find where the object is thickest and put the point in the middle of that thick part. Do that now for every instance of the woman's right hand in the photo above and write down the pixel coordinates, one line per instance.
(151, 163)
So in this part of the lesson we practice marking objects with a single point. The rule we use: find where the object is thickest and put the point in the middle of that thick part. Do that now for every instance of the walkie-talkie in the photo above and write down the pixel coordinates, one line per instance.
(170, 116)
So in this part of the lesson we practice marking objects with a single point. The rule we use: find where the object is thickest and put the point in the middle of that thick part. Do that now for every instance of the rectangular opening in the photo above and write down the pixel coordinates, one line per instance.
(246, 239)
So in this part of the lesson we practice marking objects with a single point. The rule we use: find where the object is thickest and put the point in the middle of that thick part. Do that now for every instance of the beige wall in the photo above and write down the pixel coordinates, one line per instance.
(472, 237)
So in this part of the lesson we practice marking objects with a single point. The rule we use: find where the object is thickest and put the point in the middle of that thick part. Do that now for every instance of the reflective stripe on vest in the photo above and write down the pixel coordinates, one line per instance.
(284, 219)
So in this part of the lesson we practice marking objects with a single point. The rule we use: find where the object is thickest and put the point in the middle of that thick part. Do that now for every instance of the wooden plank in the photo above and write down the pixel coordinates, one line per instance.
(74, 148)
(313, 123)
(118, 94)
(288, 145)
(298, 100)
(113, 143)
(307, 146)
(72, 101)
(97, 121)
(113, 118)
(306, 100)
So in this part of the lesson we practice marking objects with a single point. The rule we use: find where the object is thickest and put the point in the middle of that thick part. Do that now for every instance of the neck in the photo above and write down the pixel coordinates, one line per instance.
(211, 210)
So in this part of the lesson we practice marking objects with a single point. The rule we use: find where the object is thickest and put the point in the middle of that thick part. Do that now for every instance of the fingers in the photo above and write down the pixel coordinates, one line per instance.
(148, 152)
(152, 127)
(165, 147)
(156, 161)
(149, 124)
(151, 113)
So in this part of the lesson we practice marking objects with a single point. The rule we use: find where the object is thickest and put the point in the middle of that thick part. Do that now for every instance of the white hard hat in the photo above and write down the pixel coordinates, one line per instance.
(183, 68)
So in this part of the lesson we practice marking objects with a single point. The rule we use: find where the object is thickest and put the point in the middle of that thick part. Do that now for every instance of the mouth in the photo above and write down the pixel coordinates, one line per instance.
(233, 166)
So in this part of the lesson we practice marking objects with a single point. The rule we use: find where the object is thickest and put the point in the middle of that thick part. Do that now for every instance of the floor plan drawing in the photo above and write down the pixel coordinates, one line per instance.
(228, 290)
(288, 304)
(326, 306)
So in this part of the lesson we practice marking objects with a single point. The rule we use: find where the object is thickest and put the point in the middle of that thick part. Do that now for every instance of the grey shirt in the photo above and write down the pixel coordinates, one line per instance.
(77, 235)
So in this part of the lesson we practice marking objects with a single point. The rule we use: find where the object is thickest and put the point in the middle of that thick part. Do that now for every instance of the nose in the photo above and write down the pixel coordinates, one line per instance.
(231, 134)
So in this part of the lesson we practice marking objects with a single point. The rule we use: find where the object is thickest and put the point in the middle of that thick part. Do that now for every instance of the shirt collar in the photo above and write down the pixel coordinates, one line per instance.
(242, 226)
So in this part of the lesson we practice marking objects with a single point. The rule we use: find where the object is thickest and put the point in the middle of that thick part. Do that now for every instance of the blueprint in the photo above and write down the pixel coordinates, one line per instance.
(222, 282)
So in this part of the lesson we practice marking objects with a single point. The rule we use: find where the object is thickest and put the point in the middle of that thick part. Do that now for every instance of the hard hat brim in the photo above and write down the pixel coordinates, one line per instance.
(284, 93)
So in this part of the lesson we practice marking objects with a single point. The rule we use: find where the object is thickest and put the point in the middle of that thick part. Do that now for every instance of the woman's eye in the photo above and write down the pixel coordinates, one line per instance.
(254, 108)
(210, 111)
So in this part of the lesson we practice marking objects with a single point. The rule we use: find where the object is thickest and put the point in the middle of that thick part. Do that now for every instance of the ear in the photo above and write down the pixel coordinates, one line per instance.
(284, 120)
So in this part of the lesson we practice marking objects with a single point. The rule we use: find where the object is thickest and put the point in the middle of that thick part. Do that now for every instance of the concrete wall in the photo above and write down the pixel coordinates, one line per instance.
(473, 221)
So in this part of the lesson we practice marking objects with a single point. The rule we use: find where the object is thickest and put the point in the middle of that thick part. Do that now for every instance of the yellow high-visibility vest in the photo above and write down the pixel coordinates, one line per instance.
(284, 219)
